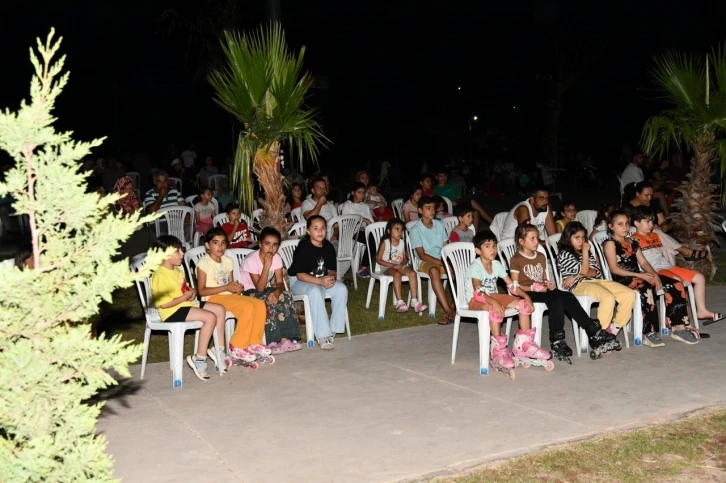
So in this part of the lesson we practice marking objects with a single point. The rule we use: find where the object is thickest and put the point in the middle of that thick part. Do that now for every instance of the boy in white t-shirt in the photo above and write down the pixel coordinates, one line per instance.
(480, 288)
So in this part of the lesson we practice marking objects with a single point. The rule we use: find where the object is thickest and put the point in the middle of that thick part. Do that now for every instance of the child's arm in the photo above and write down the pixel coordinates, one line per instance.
(204, 291)
(197, 216)
(188, 295)
(518, 289)
(609, 249)
(260, 279)
(585, 269)
(379, 257)
(648, 270)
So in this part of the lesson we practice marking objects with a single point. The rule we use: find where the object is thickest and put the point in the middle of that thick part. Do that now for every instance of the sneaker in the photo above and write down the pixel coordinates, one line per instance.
(653, 340)
(685, 336)
(401, 307)
(326, 343)
(259, 349)
(364, 273)
(199, 366)
(420, 308)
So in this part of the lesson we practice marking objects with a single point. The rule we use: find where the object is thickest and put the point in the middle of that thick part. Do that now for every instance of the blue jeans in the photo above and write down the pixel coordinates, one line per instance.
(338, 293)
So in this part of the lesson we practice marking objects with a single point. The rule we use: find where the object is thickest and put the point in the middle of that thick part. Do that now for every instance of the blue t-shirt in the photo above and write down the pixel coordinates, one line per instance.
(432, 239)
(488, 280)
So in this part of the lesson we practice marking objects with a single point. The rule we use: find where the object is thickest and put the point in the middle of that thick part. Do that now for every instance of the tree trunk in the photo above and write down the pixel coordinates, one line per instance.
(694, 224)
(267, 169)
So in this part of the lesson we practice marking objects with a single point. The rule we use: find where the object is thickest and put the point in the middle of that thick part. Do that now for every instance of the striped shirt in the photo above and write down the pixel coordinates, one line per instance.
(172, 198)
(569, 265)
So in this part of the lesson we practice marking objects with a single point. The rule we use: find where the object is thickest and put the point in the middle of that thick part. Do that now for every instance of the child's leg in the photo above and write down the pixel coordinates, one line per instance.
(392, 272)
(435, 278)
(221, 314)
(625, 298)
(699, 290)
(606, 308)
(209, 319)
(316, 298)
(339, 305)
(483, 214)
(250, 314)
(412, 281)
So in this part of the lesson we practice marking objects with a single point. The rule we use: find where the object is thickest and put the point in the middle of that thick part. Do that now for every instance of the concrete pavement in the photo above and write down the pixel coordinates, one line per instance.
(390, 407)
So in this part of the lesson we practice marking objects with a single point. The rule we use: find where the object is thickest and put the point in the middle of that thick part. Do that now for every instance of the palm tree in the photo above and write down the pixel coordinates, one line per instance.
(695, 87)
(263, 87)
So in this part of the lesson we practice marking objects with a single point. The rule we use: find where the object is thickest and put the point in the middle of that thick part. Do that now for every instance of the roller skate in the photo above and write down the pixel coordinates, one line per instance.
(528, 353)
(601, 342)
(240, 357)
(500, 359)
(559, 346)
(262, 353)
(614, 331)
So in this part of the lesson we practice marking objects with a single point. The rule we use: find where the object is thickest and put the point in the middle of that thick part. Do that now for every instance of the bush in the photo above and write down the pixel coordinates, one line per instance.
(49, 364)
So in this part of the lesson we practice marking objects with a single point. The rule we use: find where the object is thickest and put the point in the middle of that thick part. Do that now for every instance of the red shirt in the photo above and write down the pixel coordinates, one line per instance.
(242, 232)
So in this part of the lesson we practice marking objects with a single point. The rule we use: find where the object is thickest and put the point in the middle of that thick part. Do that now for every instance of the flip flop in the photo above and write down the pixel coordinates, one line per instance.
(445, 320)
(717, 316)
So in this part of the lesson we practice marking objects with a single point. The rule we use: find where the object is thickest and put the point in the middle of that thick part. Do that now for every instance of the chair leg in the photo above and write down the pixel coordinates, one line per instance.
(537, 321)
(432, 300)
(229, 325)
(309, 331)
(171, 351)
(145, 354)
(455, 340)
(508, 330)
(347, 323)
(382, 297)
(177, 355)
(662, 315)
(692, 303)
(637, 322)
(219, 354)
(484, 338)
(371, 286)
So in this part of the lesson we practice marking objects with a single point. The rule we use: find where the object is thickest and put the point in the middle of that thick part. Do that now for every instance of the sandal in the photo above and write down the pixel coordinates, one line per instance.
(401, 307)
(276, 348)
(291, 346)
(697, 255)
(717, 316)
(446, 320)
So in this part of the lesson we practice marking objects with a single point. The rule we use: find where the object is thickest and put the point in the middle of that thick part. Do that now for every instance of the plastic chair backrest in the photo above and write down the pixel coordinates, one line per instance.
(587, 218)
(296, 215)
(135, 179)
(458, 257)
(410, 224)
(143, 287)
(598, 240)
(498, 223)
(177, 183)
(507, 248)
(256, 216)
(375, 230)
(287, 251)
(348, 228)
(449, 223)
(398, 208)
(298, 229)
(191, 259)
(449, 205)
(552, 251)
(238, 255)
(214, 180)
(220, 219)
(174, 217)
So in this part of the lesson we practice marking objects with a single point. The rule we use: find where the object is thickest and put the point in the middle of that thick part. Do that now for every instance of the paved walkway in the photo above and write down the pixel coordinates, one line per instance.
(390, 407)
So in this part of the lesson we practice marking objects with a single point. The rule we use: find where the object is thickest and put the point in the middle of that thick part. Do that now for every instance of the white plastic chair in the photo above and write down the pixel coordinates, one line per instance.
(214, 180)
(458, 257)
(449, 205)
(298, 229)
(286, 252)
(135, 179)
(507, 248)
(256, 216)
(397, 206)
(220, 219)
(175, 330)
(348, 246)
(177, 183)
(449, 223)
(375, 231)
(622, 189)
(296, 215)
(415, 262)
(175, 218)
(587, 218)
(191, 258)
(238, 255)
(498, 223)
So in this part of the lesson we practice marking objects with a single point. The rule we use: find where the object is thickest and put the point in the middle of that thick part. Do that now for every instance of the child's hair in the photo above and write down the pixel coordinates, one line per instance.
(203, 190)
(357, 185)
(522, 229)
(22, 255)
(306, 236)
(631, 189)
(462, 209)
(424, 177)
(389, 227)
(570, 230)
(603, 212)
(483, 237)
(439, 202)
(641, 213)
(614, 214)
(426, 200)
(231, 206)
(209, 236)
(442, 170)
(563, 207)
(413, 190)
(166, 241)
(269, 231)
(371, 185)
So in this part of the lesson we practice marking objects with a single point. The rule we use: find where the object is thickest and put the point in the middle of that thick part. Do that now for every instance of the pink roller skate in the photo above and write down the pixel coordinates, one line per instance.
(241, 357)
(500, 359)
(528, 353)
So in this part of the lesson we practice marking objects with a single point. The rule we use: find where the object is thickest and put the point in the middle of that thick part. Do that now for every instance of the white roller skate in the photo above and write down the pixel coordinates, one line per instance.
(263, 353)
(528, 353)
(500, 359)
(241, 357)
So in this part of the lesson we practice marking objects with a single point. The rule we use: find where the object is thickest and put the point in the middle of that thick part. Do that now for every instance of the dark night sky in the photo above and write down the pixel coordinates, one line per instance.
(393, 66)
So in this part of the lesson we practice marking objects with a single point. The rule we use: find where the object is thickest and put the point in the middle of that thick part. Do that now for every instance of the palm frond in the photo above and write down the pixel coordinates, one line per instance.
(264, 87)
(683, 78)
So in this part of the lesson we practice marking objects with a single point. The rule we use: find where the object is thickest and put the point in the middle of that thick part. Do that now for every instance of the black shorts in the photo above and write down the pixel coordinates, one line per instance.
(181, 314)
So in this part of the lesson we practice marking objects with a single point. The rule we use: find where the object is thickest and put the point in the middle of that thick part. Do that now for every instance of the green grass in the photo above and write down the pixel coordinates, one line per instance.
(124, 316)
(691, 449)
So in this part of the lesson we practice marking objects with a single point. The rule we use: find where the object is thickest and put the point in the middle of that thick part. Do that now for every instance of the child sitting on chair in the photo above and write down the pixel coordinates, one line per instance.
(461, 232)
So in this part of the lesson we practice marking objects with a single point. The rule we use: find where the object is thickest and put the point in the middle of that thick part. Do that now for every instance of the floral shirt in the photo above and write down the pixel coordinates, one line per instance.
(625, 255)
